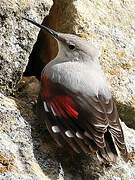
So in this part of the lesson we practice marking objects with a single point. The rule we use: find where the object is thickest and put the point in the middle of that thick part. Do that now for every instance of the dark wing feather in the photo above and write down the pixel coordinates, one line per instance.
(95, 119)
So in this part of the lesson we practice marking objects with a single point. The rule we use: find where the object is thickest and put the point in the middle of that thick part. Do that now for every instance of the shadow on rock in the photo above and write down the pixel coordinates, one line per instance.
(127, 114)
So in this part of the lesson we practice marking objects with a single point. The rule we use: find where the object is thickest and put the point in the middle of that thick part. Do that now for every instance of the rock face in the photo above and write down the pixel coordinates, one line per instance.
(25, 151)
(25, 154)
(17, 148)
(17, 38)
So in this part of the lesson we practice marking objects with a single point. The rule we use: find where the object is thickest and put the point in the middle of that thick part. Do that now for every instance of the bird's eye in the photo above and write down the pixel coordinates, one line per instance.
(71, 46)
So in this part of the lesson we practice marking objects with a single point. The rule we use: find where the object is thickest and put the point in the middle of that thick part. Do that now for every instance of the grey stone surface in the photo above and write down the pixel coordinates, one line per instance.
(25, 151)
(17, 37)
(20, 142)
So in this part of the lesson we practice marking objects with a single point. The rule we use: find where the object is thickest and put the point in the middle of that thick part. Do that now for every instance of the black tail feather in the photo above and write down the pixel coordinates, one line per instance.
(108, 153)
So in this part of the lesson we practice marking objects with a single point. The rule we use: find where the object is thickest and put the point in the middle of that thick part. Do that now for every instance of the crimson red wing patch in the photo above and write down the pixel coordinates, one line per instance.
(63, 106)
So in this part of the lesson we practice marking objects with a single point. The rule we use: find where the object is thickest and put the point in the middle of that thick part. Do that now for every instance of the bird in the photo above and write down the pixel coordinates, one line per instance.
(75, 102)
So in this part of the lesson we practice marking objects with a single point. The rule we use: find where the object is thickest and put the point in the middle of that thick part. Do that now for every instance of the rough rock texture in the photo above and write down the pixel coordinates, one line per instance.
(25, 154)
(110, 26)
(18, 144)
(16, 38)
(25, 149)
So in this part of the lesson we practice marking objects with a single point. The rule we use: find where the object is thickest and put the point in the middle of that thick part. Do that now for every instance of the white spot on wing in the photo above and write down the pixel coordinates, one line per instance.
(69, 134)
(79, 135)
(53, 111)
(45, 106)
(55, 129)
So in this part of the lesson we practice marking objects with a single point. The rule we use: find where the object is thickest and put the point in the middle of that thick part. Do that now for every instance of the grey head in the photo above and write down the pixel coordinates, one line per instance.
(71, 46)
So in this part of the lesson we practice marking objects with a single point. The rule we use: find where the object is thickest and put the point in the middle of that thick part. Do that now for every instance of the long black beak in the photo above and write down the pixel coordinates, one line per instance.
(52, 32)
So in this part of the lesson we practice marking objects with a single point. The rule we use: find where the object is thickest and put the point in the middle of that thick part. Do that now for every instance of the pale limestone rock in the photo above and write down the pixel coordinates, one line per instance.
(20, 143)
(107, 24)
(17, 38)
(25, 155)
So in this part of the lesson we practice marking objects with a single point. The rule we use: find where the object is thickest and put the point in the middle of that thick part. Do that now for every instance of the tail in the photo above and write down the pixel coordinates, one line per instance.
(108, 153)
